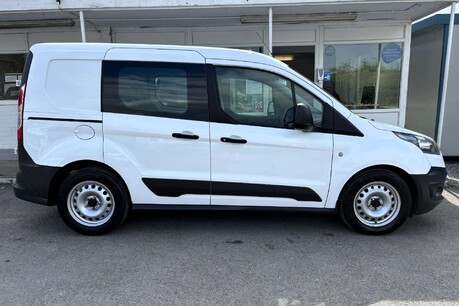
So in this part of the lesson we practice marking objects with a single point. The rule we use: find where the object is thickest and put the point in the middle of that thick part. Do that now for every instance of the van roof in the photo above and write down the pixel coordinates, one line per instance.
(207, 52)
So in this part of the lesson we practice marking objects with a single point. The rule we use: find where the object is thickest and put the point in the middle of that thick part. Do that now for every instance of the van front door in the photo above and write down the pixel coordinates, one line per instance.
(255, 159)
(156, 124)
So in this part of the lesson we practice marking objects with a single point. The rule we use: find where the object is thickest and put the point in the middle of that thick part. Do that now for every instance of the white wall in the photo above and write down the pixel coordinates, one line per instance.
(424, 80)
(8, 124)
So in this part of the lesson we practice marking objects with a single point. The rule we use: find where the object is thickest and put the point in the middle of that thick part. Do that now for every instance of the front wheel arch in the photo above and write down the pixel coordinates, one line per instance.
(400, 172)
(376, 201)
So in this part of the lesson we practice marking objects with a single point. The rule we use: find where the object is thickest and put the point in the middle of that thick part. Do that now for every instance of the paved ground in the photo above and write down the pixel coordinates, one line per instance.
(8, 168)
(7, 154)
(226, 258)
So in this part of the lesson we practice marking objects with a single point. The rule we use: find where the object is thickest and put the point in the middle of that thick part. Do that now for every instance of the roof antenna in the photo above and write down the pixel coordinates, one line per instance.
(267, 48)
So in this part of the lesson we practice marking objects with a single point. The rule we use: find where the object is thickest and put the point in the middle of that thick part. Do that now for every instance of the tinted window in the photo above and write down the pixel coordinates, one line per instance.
(254, 97)
(315, 105)
(155, 89)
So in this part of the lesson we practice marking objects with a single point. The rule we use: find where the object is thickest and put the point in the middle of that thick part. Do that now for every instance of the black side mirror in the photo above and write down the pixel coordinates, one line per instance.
(303, 118)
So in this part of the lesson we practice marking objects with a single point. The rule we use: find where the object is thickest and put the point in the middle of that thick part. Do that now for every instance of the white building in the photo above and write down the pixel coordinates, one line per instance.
(357, 50)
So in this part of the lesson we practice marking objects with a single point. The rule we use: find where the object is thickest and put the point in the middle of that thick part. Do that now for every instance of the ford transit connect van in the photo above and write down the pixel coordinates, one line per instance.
(105, 128)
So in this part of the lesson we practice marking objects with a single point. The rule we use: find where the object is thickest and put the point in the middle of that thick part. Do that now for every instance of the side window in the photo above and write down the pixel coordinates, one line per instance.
(155, 89)
(254, 97)
(315, 105)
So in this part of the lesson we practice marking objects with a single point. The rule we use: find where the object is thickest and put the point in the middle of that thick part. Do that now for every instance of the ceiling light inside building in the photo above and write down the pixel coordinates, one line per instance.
(284, 58)
(300, 18)
(45, 23)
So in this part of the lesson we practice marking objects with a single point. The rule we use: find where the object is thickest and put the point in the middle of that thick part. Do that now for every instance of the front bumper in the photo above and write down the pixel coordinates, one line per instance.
(429, 188)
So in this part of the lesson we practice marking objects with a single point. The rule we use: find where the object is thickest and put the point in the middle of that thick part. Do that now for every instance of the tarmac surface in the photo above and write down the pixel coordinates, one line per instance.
(226, 258)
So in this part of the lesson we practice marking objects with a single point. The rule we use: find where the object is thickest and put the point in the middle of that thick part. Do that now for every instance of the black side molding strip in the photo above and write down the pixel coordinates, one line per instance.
(176, 188)
(64, 119)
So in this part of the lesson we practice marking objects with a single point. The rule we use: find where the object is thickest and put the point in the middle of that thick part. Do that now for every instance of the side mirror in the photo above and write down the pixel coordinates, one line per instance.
(303, 118)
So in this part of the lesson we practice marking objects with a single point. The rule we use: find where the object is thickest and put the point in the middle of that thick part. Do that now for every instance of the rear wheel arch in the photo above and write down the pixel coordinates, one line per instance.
(65, 171)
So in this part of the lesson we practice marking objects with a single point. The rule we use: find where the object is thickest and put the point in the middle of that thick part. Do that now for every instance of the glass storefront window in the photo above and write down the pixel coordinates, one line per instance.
(11, 66)
(364, 76)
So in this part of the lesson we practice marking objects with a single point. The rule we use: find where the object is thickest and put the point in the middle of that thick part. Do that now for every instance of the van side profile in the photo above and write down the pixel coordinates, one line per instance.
(105, 128)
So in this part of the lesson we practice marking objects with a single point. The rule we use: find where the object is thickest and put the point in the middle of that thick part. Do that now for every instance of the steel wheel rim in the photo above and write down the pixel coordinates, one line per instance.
(377, 204)
(90, 203)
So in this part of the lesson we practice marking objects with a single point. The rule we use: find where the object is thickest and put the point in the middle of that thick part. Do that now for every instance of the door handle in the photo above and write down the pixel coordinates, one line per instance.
(185, 135)
(233, 139)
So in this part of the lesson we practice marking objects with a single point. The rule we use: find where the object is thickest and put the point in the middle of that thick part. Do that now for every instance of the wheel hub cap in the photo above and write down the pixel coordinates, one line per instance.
(90, 203)
(377, 204)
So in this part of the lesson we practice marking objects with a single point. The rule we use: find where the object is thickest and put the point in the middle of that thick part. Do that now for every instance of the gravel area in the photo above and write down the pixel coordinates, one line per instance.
(452, 167)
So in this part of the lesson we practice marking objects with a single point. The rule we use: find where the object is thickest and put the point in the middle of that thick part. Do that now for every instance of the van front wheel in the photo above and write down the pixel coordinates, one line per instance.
(92, 201)
(375, 202)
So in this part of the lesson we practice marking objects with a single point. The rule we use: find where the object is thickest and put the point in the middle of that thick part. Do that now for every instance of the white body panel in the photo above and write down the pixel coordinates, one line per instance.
(142, 147)
(139, 147)
(56, 143)
(378, 147)
(55, 93)
(271, 156)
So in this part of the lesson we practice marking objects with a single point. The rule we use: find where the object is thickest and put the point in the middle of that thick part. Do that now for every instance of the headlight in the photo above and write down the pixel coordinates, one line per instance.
(426, 145)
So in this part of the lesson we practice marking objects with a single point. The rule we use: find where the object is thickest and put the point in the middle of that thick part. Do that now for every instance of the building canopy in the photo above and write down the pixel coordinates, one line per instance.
(181, 13)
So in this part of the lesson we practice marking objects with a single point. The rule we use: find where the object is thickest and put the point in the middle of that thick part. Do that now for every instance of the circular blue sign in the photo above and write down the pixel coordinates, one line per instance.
(330, 51)
(391, 52)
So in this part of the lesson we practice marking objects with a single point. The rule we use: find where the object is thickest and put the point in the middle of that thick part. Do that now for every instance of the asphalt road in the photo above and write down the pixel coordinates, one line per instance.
(226, 258)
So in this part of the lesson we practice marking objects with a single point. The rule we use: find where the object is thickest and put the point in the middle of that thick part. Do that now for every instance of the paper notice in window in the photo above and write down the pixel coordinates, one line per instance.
(253, 88)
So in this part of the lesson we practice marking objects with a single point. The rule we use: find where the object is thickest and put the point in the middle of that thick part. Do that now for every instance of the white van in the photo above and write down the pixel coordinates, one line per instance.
(105, 128)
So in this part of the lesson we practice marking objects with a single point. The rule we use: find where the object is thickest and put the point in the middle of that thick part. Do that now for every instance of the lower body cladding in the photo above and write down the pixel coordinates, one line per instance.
(36, 183)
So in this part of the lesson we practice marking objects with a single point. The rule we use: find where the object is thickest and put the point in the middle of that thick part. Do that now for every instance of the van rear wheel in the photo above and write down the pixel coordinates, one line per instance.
(375, 202)
(92, 201)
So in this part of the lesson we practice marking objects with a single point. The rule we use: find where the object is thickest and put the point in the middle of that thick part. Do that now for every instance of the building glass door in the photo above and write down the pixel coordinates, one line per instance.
(299, 58)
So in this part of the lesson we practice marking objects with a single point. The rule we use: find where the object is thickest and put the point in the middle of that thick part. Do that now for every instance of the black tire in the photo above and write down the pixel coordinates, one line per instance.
(92, 201)
(375, 202)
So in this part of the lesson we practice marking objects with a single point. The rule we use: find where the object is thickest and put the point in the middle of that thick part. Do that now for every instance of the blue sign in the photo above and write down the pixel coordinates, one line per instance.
(327, 76)
(330, 51)
(391, 52)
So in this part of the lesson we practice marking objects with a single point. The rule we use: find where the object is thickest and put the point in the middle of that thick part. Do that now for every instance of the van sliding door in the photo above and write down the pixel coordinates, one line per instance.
(155, 121)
